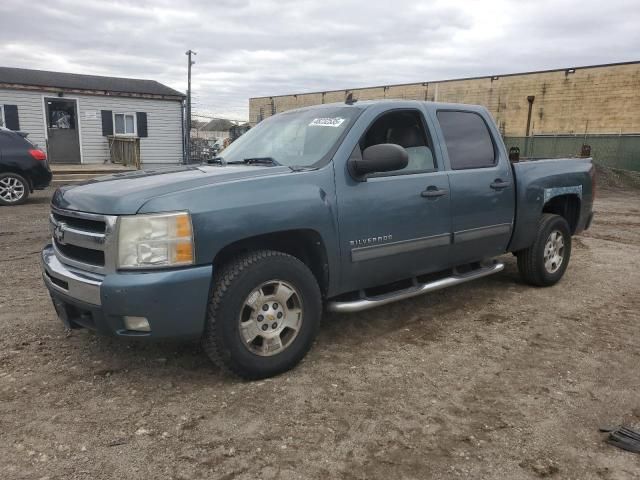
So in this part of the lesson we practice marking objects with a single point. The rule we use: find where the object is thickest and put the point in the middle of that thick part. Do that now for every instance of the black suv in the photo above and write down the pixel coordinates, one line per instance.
(23, 168)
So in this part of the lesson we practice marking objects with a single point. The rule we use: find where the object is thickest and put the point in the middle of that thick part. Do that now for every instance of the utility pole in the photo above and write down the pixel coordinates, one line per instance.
(189, 53)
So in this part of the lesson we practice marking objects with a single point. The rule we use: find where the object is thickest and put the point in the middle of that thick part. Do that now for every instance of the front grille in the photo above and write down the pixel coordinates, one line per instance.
(83, 240)
(89, 225)
(81, 254)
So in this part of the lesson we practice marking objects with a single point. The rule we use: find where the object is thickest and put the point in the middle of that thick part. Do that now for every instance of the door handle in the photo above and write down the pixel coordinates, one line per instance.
(499, 184)
(433, 192)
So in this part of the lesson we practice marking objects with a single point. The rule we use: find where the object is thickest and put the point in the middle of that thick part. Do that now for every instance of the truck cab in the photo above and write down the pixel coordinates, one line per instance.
(446, 206)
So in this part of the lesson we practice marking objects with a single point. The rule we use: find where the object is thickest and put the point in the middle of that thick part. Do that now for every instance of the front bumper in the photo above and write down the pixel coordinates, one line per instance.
(173, 301)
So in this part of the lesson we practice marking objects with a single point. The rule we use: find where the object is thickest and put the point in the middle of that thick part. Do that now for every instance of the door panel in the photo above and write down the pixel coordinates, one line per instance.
(482, 186)
(482, 216)
(390, 231)
(394, 225)
(63, 140)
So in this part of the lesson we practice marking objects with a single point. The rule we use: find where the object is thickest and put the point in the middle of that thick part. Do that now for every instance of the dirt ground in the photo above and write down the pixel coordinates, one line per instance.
(491, 379)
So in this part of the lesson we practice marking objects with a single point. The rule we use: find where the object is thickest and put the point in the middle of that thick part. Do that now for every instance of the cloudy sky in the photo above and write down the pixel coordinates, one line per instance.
(250, 48)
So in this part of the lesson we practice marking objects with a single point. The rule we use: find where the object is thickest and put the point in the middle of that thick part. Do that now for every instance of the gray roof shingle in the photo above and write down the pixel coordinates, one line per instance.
(218, 125)
(42, 78)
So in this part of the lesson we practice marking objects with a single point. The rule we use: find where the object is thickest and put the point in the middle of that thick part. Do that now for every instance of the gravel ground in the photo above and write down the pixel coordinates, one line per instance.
(491, 379)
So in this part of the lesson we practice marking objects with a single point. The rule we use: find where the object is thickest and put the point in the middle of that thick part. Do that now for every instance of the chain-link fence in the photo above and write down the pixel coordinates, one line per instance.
(617, 151)
(210, 135)
(201, 150)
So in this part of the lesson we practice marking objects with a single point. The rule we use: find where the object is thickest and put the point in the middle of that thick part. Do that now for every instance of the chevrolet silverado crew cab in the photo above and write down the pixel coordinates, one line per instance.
(337, 206)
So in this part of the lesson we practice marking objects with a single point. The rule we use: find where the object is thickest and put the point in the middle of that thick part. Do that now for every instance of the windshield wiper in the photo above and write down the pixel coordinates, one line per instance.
(219, 160)
(257, 161)
(299, 168)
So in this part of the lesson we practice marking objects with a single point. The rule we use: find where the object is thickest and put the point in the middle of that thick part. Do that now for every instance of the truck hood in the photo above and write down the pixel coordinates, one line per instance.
(126, 193)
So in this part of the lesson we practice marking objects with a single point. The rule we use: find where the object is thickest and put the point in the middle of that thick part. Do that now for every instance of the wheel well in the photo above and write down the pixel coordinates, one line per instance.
(17, 171)
(567, 206)
(306, 245)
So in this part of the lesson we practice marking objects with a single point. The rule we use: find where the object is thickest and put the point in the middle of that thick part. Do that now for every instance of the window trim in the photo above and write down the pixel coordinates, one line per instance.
(496, 153)
(135, 124)
(429, 139)
(3, 122)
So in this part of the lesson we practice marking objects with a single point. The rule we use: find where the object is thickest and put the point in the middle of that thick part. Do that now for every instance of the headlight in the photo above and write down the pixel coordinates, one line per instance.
(157, 240)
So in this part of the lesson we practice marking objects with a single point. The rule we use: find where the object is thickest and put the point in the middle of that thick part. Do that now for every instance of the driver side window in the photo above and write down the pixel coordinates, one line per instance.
(405, 128)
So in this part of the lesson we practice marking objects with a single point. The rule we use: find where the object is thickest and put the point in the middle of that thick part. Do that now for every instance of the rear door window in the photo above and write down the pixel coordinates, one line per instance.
(467, 139)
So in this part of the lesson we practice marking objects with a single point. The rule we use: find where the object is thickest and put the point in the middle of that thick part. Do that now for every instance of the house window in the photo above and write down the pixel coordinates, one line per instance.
(61, 114)
(124, 123)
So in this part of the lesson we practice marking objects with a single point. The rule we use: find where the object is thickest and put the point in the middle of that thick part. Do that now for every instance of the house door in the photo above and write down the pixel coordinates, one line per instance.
(63, 140)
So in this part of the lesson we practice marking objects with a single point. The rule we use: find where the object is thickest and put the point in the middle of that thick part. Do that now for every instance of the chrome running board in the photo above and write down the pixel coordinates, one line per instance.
(365, 302)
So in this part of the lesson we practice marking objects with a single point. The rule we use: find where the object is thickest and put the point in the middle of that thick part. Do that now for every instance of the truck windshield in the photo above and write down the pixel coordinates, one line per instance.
(299, 138)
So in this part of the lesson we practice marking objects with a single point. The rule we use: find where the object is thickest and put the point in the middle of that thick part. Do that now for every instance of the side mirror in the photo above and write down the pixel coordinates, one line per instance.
(384, 157)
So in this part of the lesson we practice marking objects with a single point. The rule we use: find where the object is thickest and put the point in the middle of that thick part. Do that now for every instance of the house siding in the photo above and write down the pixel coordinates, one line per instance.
(164, 127)
(164, 123)
(30, 113)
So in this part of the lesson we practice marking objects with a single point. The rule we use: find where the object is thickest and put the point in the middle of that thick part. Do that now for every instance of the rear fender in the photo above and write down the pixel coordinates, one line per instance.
(539, 184)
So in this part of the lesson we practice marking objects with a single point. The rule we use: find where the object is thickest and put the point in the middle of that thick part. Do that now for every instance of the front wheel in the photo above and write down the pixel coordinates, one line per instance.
(263, 315)
(544, 263)
(14, 189)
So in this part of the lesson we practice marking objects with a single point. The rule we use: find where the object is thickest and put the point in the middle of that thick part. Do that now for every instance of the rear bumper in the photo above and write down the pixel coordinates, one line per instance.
(589, 220)
(584, 222)
(39, 175)
(173, 301)
(42, 180)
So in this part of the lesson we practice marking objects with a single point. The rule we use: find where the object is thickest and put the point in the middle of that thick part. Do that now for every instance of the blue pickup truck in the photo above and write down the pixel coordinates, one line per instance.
(339, 206)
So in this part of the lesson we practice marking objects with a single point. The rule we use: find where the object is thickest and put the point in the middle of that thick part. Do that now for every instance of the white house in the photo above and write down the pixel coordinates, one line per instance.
(214, 131)
(76, 118)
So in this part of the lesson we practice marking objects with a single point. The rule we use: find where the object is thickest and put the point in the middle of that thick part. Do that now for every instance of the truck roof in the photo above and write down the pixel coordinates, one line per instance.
(392, 103)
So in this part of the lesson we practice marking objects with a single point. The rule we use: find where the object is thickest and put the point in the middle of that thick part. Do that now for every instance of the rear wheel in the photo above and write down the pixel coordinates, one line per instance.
(263, 315)
(544, 263)
(14, 189)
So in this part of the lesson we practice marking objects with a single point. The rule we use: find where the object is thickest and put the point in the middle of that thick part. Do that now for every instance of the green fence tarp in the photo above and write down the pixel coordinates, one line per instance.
(616, 151)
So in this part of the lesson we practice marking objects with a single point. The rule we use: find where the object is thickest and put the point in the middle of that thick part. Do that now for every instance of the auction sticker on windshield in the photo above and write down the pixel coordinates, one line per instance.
(327, 122)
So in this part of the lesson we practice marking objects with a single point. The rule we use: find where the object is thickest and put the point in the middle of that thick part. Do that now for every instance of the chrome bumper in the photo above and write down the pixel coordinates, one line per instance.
(75, 284)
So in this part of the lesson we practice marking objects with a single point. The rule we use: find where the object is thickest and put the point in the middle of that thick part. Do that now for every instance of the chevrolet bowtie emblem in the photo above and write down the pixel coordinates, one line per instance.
(58, 232)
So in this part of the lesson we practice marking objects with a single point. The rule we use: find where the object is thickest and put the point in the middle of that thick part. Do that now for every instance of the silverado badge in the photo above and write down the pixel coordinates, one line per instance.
(363, 242)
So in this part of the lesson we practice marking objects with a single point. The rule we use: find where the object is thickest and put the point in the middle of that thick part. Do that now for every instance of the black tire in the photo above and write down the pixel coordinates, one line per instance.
(14, 179)
(235, 281)
(531, 262)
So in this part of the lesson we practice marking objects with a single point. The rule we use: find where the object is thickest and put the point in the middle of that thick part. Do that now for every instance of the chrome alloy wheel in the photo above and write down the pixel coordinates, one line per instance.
(11, 189)
(271, 318)
(554, 251)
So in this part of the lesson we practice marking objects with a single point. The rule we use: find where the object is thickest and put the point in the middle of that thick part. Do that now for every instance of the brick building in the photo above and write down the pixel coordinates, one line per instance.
(597, 99)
